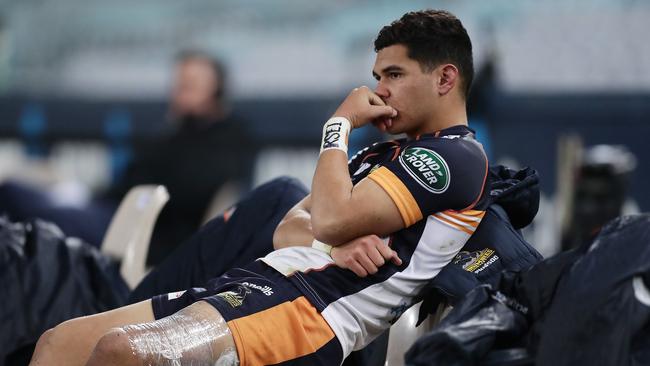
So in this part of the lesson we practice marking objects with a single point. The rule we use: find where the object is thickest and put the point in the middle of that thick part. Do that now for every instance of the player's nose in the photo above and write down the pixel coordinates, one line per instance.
(382, 91)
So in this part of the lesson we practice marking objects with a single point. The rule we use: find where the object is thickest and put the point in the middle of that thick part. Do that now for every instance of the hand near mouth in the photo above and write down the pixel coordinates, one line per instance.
(362, 106)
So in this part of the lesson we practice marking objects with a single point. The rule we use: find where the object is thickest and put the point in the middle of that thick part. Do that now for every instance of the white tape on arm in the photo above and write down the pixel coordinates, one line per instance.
(335, 134)
(321, 246)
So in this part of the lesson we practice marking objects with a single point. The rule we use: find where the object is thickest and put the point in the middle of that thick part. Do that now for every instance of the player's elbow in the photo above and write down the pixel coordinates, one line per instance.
(328, 230)
(280, 237)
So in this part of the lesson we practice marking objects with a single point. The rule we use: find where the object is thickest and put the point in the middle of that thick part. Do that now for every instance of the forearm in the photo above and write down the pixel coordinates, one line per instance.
(331, 198)
(340, 211)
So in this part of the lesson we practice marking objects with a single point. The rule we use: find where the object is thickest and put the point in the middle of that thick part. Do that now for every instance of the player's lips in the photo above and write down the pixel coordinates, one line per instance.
(395, 117)
(387, 122)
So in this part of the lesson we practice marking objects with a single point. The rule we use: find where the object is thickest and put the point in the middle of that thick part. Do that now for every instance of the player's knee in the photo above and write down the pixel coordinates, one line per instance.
(44, 345)
(52, 341)
(114, 348)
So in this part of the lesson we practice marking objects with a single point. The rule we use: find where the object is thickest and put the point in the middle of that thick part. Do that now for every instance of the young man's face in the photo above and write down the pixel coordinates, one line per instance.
(403, 85)
(194, 88)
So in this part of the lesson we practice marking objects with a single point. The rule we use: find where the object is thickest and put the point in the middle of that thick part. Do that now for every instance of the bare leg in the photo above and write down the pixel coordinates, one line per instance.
(197, 335)
(71, 342)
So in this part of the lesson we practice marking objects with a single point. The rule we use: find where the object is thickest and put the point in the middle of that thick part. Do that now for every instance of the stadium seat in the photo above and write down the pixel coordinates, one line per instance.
(404, 332)
(128, 236)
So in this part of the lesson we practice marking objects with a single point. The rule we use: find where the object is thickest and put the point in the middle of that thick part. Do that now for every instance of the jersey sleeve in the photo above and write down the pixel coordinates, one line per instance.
(433, 176)
(356, 160)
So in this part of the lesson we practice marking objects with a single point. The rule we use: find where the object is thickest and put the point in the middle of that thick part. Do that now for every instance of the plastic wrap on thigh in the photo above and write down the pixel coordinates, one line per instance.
(197, 336)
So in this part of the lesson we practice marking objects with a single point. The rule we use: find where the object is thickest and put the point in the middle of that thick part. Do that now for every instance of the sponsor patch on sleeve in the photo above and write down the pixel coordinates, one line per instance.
(427, 167)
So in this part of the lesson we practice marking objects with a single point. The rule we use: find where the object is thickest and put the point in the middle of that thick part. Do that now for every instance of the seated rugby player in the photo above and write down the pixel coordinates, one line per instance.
(302, 304)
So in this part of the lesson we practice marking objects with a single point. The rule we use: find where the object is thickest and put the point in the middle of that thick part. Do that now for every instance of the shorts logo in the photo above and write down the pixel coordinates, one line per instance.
(266, 290)
(235, 298)
(477, 261)
(427, 167)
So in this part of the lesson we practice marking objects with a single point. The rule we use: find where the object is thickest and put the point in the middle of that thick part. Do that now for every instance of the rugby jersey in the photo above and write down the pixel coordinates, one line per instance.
(437, 182)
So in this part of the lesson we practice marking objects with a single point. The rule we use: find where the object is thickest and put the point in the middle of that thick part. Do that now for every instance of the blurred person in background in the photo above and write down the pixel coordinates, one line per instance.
(205, 150)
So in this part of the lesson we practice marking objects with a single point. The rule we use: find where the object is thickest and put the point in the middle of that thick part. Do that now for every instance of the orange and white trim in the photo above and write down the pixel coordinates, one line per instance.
(466, 221)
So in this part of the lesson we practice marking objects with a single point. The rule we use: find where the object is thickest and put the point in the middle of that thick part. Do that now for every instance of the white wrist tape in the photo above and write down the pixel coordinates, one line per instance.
(321, 246)
(335, 134)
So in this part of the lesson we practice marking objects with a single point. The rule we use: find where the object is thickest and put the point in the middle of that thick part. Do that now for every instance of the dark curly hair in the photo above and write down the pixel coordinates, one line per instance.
(432, 37)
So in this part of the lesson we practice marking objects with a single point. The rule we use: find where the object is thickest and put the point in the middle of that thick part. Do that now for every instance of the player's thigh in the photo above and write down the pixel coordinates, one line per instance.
(96, 325)
(72, 341)
(197, 334)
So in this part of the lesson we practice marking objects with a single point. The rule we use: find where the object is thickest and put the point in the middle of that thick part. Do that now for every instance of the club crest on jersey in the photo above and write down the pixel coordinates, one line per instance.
(427, 167)
(477, 261)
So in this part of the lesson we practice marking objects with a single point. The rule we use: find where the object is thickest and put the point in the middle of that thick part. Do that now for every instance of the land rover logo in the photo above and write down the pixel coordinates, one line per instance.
(427, 168)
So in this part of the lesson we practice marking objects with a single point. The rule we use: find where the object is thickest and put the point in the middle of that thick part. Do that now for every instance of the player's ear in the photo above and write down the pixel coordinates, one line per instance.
(447, 78)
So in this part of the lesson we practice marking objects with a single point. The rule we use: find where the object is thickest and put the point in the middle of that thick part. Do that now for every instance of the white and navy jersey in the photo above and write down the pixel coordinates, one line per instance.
(437, 182)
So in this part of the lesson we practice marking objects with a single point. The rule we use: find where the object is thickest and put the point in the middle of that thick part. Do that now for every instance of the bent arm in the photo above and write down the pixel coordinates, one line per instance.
(295, 228)
(374, 214)
(342, 212)
(362, 255)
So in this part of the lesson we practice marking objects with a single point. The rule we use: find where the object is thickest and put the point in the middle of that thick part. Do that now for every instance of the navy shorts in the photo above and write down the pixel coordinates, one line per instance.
(272, 322)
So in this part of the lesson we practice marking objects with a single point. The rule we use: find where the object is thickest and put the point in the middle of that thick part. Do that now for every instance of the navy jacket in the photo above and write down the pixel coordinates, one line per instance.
(496, 245)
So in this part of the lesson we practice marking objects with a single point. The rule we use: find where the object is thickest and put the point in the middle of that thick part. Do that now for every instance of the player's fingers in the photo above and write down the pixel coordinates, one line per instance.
(376, 256)
(396, 259)
(374, 99)
(385, 251)
(357, 269)
(390, 255)
(367, 264)
(384, 112)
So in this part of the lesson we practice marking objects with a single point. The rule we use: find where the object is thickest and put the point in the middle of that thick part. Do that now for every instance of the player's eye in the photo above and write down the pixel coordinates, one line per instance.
(394, 75)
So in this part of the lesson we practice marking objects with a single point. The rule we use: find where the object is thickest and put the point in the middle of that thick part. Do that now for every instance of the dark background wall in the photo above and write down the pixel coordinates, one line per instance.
(524, 127)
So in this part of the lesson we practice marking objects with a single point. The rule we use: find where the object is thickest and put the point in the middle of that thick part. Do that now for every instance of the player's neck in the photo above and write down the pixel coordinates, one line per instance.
(444, 118)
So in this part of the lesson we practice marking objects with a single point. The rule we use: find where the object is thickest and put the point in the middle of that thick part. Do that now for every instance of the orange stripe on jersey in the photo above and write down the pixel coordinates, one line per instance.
(402, 197)
(281, 333)
(469, 220)
(475, 213)
(469, 226)
(453, 224)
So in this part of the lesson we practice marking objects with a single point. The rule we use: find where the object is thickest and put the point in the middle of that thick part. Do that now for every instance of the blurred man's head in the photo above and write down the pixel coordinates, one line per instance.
(424, 69)
(198, 89)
